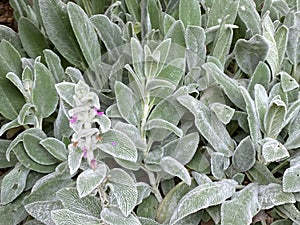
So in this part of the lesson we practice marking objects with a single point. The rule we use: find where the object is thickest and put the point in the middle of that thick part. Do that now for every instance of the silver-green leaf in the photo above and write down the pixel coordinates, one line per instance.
(243, 157)
(175, 168)
(90, 179)
(209, 126)
(13, 184)
(203, 196)
(242, 208)
(67, 217)
(124, 189)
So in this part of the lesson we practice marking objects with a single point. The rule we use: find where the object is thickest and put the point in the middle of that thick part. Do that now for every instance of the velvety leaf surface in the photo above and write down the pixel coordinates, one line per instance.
(203, 196)
(250, 52)
(13, 184)
(90, 179)
(208, 125)
(124, 189)
(67, 217)
(242, 208)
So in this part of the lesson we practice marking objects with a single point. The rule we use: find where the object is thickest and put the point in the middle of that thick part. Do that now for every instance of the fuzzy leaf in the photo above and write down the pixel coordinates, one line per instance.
(36, 151)
(66, 91)
(55, 147)
(290, 211)
(88, 205)
(13, 184)
(195, 46)
(293, 44)
(4, 163)
(253, 120)
(172, 72)
(175, 168)
(85, 35)
(242, 208)
(293, 140)
(109, 32)
(274, 151)
(74, 159)
(51, 186)
(176, 33)
(25, 160)
(274, 117)
(41, 210)
(155, 14)
(134, 9)
(163, 124)
(229, 85)
(221, 9)
(148, 207)
(128, 103)
(288, 83)
(291, 181)
(118, 145)
(281, 39)
(268, 33)
(114, 216)
(244, 155)
(132, 132)
(249, 15)
(218, 162)
(6, 33)
(260, 174)
(137, 59)
(33, 41)
(203, 196)
(209, 126)
(190, 13)
(67, 217)
(90, 179)
(11, 100)
(223, 112)
(54, 65)
(166, 207)
(261, 102)
(272, 195)
(10, 59)
(261, 76)
(182, 149)
(44, 95)
(223, 43)
(250, 52)
(13, 213)
(124, 189)
(56, 22)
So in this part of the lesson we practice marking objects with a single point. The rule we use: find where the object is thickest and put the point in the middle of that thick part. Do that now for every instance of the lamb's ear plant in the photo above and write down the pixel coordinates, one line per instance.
(150, 112)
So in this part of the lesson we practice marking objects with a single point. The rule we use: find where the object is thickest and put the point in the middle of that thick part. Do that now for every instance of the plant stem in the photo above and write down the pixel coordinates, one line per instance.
(153, 184)
(277, 168)
(146, 109)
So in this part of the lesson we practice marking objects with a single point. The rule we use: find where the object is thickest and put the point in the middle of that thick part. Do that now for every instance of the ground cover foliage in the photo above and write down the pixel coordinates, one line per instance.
(148, 112)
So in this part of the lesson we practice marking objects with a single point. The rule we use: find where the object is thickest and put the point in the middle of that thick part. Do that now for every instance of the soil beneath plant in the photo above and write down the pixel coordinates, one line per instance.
(6, 15)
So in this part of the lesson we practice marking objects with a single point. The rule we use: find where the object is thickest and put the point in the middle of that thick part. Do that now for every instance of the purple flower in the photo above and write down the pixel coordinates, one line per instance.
(114, 143)
(93, 164)
(84, 149)
(98, 112)
(73, 119)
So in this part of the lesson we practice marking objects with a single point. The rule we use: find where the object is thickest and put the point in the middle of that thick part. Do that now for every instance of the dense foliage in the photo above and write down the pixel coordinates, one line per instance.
(148, 112)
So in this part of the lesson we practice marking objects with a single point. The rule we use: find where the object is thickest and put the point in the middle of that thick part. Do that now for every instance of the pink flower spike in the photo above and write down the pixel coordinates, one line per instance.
(114, 143)
(93, 164)
(98, 112)
(84, 149)
(73, 119)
